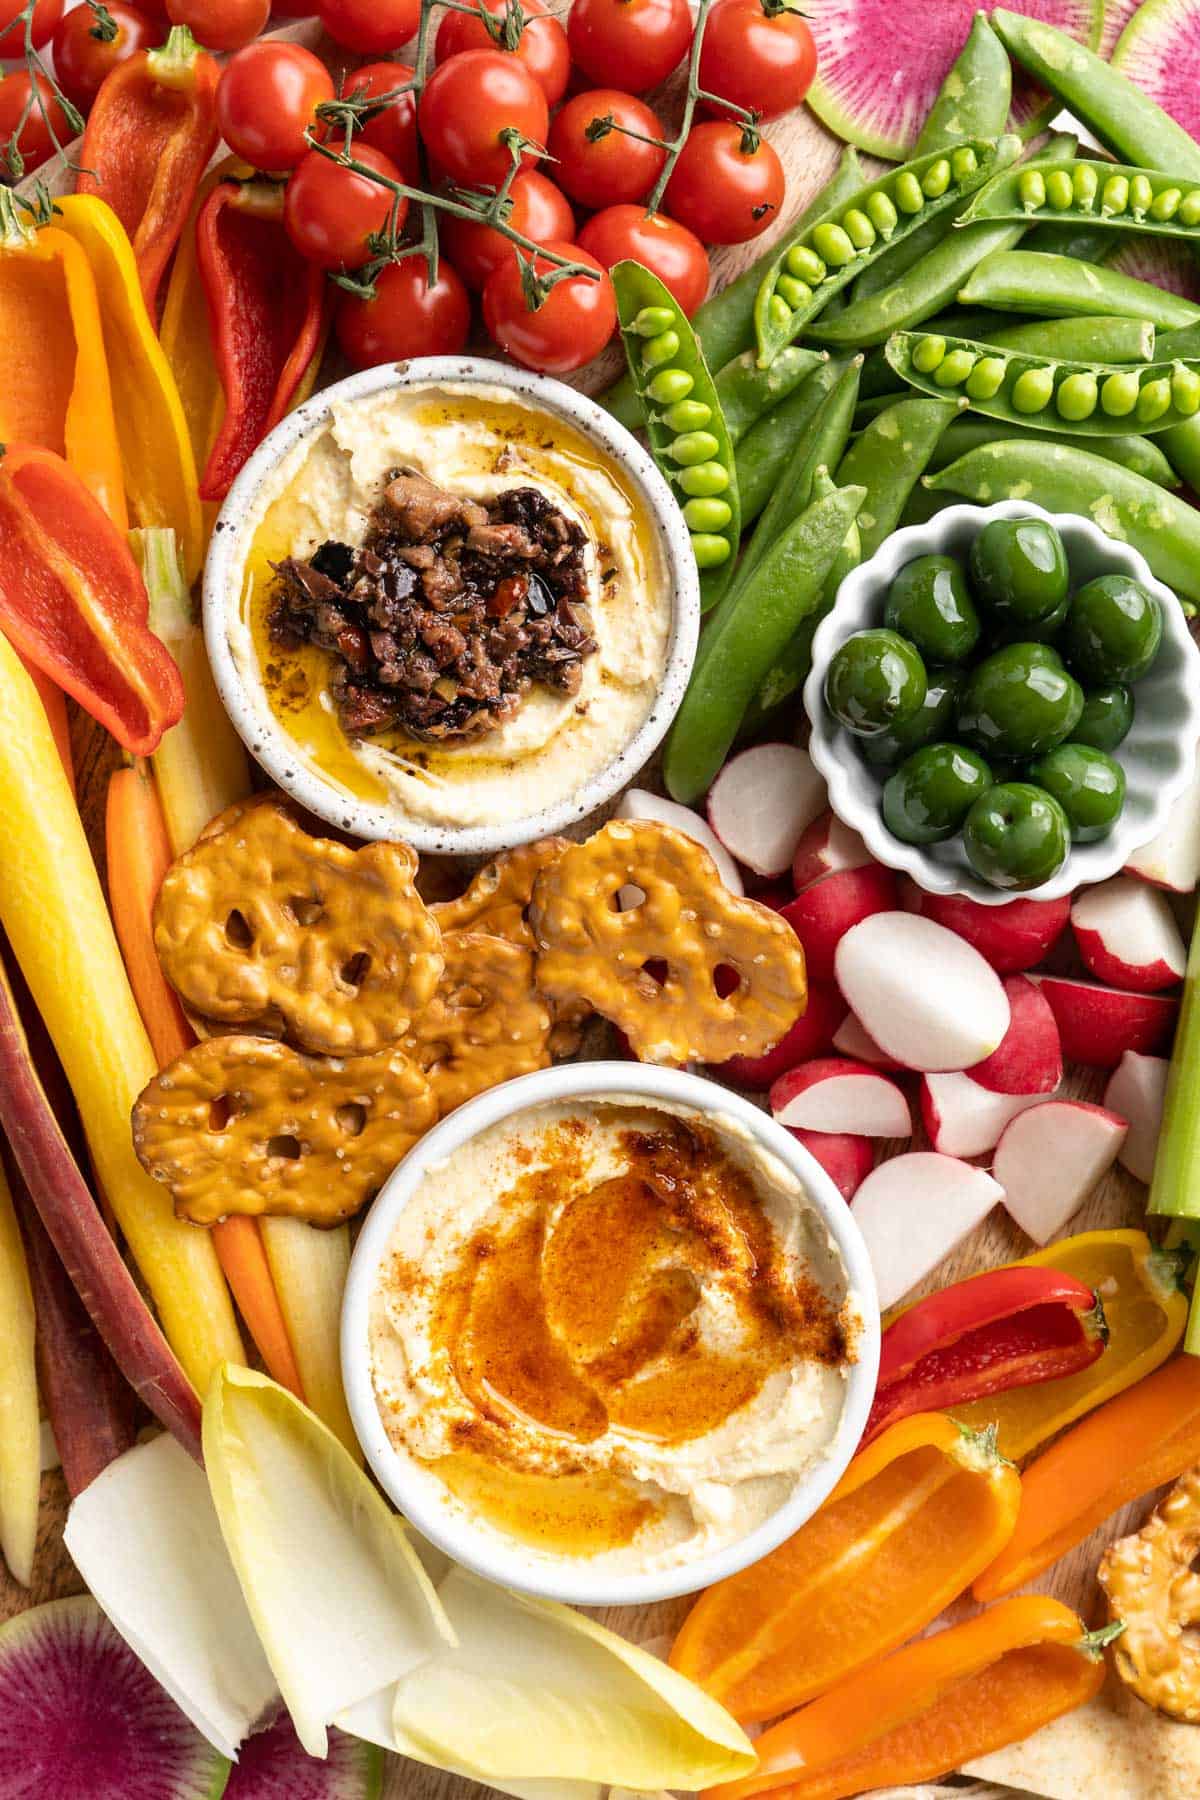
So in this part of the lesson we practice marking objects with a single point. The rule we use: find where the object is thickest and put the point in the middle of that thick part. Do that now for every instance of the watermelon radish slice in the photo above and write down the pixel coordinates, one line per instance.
(1117, 14)
(272, 1765)
(79, 1715)
(1160, 51)
(1168, 263)
(880, 63)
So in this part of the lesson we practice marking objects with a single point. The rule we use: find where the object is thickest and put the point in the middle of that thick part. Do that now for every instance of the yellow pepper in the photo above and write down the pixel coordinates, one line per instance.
(1145, 1310)
(156, 450)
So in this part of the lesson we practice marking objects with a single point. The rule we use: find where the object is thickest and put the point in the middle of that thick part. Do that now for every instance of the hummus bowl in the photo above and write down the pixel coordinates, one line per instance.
(609, 1334)
(372, 738)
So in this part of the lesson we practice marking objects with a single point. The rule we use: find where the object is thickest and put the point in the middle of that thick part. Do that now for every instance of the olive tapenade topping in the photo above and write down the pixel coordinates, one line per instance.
(448, 614)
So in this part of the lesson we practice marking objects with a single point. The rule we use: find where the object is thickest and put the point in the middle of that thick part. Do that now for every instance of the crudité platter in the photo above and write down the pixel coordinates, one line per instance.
(762, 728)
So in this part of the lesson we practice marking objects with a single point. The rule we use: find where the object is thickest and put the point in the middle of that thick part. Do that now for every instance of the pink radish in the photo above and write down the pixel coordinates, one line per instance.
(851, 1040)
(1172, 859)
(1136, 1090)
(824, 912)
(913, 1210)
(1029, 1061)
(1049, 1159)
(963, 1119)
(1127, 935)
(846, 1158)
(831, 1094)
(926, 997)
(824, 848)
(1014, 936)
(638, 803)
(811, 1035)
(1098, 1024)
(761, 802)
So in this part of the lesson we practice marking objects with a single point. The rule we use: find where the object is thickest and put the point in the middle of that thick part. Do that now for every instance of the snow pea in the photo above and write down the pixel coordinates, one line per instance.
(1108, 196)
(804, 276)
(1064, 479)
(747, 635)
(1029, 281)
(684, 421)
(889, 458)
(1100, 339)
(746, 391)
(768, 447)
(1141, 454)
(1085, 398)
(1082, 243)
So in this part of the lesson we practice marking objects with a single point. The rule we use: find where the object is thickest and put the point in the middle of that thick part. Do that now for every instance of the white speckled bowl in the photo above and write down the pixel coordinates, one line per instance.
(1158, 755)
(271, 745)
(418, 1492)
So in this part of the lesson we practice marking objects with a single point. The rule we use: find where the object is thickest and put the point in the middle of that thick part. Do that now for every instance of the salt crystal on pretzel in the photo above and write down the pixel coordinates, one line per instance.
(486, 1023)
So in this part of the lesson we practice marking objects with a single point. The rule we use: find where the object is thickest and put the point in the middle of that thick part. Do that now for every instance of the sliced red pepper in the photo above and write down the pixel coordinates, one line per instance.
(1002, 1330)
(73, 601)
(266, 313)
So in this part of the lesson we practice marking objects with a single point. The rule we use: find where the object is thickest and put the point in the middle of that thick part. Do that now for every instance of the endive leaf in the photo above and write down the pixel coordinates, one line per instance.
(339, 1600)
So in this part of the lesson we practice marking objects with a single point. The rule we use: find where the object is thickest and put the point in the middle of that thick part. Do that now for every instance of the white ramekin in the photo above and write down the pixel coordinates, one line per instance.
(270, 743)
(1157, 756)
(421, 1497)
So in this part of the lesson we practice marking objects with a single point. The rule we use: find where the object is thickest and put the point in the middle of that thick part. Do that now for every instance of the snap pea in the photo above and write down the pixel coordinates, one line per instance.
(1029, 281)
(684, 421)
(1170, 344)
(1082, 243)
(748, 634)
(822, 446)
(747, 391)
(1108, 196)
(1101, 339)
(889, 458)
(1064, 479)
(1141, 454)
(768, 447)
(804, 276)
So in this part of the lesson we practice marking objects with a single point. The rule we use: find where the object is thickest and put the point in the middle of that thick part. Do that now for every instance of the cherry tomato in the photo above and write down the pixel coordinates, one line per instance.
(294, 9)
(632, 44)
(393, 129)
(221, 24)
(759, 55)
(573, 323)
(539, 212)
(35, 142)
(372, 27)
(468, 101)
(407, 317)
(46, 14)
(330, 211)
(541, 45)
(267, 97)
(82, 58)
(667, 249)
(603, 171)
(720, 189)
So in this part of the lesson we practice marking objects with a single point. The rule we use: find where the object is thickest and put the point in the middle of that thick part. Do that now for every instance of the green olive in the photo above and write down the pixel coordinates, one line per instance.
(933, 722)
(1019, 702)
(1088, 784)
(931, 793)
(875, 680)
(1019, 569)
(930, 604)
(1113, 631)
(1106, 717)
(1016, 836)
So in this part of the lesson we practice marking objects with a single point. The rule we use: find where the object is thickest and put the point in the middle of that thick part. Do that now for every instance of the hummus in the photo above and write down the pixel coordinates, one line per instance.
(475, 440)
(612, 1329)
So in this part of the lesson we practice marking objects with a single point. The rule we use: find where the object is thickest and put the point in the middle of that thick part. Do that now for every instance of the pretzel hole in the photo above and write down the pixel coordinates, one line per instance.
(726, 980)
(220, 1112)
(286, 1146)
(352, 1117)
(237, 931)
(627, 898)
(354, 972)
(467, 999)
(305, 910)
(658, 969)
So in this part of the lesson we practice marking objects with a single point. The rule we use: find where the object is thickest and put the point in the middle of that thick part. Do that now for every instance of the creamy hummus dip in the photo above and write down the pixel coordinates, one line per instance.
(476, 440)
(612, 1329)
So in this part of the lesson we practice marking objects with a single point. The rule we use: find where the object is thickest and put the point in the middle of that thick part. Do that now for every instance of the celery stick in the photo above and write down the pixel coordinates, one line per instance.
(1175, 1190)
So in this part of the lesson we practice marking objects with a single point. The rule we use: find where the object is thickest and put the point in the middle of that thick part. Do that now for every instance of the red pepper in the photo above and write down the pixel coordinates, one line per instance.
(149, 138)
(983, 1336)
(266, 315)
(73, 602)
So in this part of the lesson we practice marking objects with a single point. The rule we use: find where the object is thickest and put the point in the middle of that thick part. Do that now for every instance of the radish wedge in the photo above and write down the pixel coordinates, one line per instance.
(761, 802)
(1127, 935)
(913, 1210)
(1136, 1090)
(637, 803)
(272, 1765)
(1098, 1024)
(851, 1040)
(824, 848)
(846, 1158)
(811, 1035)
(826, 910)
(1172, 859)
(1012, 937)
(963, 1119)
(925, 996)
(1029, 1061)
(1049, 1160)
(1158, 50)
(832, 1094)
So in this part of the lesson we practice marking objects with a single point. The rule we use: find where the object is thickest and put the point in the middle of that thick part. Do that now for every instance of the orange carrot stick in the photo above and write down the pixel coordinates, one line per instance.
(139, 855)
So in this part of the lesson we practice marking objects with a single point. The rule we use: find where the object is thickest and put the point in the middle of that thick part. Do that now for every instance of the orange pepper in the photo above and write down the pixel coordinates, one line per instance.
(1148, 1435)
(931, 1706)
(915, 1517)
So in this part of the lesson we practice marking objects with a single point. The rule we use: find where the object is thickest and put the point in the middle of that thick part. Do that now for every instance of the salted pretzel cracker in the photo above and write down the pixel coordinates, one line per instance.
(689, 922)
(248, 1125)
(485, 1024)
(260, 924)
(1152, 1586)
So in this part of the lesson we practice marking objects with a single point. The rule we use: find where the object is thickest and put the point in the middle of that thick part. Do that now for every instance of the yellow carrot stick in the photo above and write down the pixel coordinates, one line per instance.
(20, 1434)
(309, 1267)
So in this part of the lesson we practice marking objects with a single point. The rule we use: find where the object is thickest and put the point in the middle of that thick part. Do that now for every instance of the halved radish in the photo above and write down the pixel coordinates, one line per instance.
(846, 1158)
(639, 803)
(1127, 935)
(1029, 1061)
(824, 848)
(1014, 936)
(851, 1040)
(1172, 859)
(913, 1210)
(1049, 1159)
(963, 1119)
(761, 802)
(826, 910)
(1136, 1090)
(925, 996)
(832, 1094)
(811, 1035)
(1098, 1024)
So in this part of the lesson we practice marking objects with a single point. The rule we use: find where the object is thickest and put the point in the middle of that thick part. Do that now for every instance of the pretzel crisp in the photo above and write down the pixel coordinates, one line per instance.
(1153, 1588)
(689, 925)
(261, 925)
(485, 1024)
(247, 1125)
